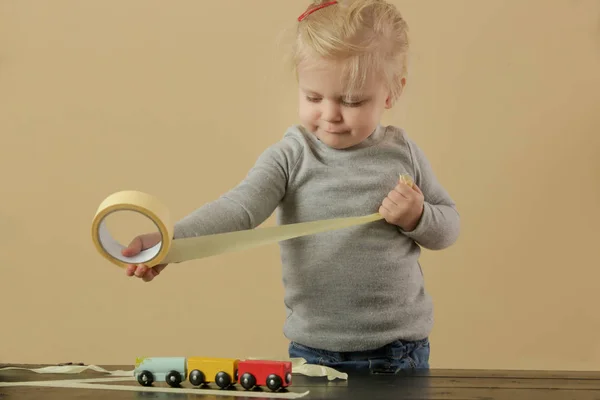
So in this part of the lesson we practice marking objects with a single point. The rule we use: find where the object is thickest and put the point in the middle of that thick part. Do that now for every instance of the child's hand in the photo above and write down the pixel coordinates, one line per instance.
(138, 244)
(403, 206)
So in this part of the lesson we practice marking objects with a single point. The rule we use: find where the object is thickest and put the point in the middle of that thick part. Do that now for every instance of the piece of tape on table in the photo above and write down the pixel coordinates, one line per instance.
(71, 369)
(300, 366)
(170, 250)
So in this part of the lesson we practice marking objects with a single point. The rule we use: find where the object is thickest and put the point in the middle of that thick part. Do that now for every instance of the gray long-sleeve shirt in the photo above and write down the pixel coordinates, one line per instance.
(355, 288)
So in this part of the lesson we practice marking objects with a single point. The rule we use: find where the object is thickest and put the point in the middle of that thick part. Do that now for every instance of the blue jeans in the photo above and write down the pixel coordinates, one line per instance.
(394, 357)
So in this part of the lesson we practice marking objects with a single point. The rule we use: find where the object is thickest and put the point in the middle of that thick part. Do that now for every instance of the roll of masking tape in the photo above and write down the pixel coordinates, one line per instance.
(168, 250)
(148, 206)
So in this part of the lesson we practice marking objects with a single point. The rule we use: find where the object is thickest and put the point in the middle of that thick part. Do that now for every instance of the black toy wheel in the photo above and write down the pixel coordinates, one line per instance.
(197, 378)
(173, 379)
(145, 378)
(222, 379)
(273, 382)
(248, 381)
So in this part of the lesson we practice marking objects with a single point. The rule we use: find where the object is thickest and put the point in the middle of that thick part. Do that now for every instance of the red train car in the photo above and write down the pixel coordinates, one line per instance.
(272, 374)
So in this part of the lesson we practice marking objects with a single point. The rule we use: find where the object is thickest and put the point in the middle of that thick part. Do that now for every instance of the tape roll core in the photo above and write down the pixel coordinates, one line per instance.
(114, 248)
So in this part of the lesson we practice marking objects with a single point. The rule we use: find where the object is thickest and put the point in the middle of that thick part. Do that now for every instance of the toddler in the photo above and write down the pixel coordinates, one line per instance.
(355, 297)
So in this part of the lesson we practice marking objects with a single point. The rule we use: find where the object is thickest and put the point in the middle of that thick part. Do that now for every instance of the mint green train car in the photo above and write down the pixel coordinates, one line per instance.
(171, 370)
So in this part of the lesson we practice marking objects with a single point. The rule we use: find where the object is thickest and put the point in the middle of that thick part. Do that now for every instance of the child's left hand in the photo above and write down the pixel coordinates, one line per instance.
(403, 206)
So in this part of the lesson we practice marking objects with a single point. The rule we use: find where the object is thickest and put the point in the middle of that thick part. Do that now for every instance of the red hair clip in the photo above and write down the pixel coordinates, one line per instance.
(312, 10)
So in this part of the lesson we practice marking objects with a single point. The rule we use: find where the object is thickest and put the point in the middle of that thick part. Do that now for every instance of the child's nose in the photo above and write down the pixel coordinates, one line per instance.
(330, 111)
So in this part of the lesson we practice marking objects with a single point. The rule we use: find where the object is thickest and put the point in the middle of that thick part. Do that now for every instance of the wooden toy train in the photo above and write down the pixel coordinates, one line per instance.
(224, 372)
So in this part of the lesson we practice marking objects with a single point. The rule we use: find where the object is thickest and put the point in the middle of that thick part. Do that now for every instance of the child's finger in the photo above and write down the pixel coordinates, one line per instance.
(141, 270)
(134, 247)
(396, 197)
(159, 268)
(384, 211)
(388, 204)
(150, 274)
(404, 190)
(130, 270)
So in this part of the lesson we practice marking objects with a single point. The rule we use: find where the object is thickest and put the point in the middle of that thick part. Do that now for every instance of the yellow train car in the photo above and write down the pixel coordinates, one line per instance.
(222, 371)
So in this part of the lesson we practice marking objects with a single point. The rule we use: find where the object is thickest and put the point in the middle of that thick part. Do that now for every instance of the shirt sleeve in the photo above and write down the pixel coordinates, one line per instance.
(439, 225)
(249, 203)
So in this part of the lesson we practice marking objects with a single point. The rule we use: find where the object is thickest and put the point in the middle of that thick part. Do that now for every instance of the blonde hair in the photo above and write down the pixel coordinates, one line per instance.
(367, 36)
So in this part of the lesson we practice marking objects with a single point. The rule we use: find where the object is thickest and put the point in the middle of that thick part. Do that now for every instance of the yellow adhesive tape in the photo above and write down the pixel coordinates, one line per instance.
(172, 251)
(407, 180)
(112, 384)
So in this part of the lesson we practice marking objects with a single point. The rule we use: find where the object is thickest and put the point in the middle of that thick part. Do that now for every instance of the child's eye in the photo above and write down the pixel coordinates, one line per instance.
(352, 103)
(312, 99)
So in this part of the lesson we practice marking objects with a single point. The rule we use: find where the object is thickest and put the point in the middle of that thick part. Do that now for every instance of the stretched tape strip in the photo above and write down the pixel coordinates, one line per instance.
(179, 250)
(81, 384)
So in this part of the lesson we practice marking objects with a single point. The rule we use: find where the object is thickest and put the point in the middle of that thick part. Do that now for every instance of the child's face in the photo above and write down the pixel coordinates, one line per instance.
(324, 109)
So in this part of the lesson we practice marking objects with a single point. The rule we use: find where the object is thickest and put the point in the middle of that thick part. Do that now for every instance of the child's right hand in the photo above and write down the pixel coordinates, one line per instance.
(138, 244)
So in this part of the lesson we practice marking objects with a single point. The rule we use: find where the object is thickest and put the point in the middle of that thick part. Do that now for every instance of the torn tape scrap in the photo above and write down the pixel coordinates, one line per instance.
(299, 366)
(71, 369)
(304, 368)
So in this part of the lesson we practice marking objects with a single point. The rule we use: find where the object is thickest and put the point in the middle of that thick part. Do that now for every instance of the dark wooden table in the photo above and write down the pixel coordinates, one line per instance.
(434, 384)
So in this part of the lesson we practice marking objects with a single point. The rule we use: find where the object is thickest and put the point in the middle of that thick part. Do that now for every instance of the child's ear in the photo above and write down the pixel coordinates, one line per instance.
(389, 101)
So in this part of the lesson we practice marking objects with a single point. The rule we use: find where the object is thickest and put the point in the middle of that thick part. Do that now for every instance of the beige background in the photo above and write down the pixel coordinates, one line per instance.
(179, 98)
